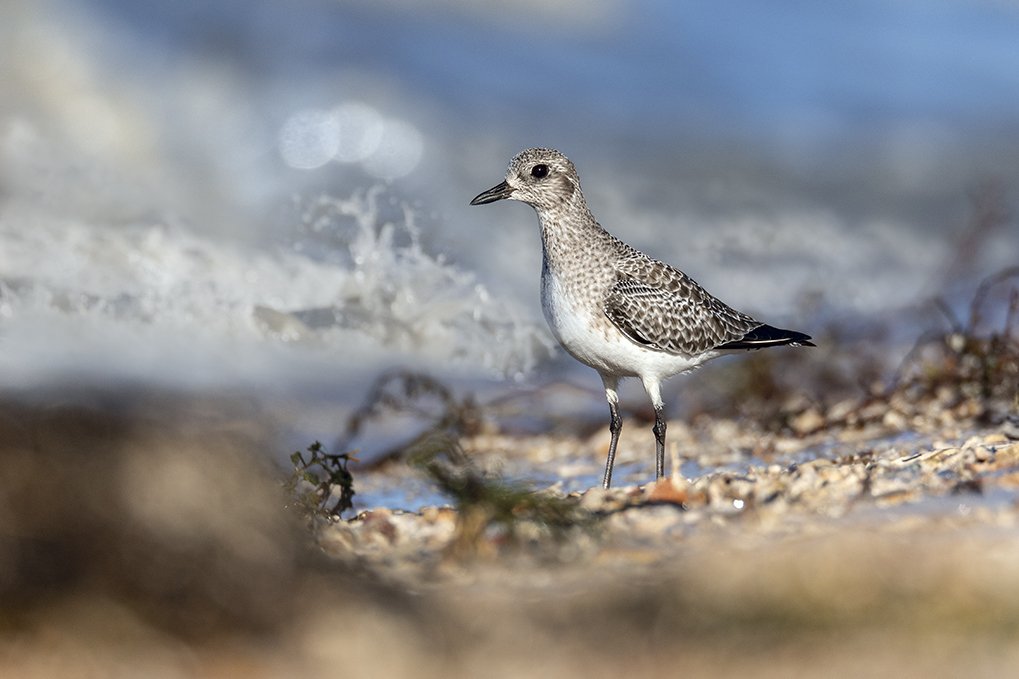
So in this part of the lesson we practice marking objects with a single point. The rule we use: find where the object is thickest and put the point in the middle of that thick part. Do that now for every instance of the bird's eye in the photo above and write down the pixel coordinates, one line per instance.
(539, 171)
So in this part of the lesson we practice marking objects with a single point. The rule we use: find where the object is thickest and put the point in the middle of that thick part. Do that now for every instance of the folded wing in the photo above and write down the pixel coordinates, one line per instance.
(669, 312)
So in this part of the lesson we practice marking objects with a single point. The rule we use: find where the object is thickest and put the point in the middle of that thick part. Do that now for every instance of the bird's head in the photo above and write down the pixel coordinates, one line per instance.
(543, 178)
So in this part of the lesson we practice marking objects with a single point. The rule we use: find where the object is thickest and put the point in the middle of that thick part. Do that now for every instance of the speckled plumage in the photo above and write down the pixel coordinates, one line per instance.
(614, 308)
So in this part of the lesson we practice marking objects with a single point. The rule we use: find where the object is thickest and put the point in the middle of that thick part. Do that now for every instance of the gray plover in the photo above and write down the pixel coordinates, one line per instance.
(616, 309)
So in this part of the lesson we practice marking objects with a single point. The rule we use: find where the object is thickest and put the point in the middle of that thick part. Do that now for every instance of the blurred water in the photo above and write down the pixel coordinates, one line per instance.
(273, 196)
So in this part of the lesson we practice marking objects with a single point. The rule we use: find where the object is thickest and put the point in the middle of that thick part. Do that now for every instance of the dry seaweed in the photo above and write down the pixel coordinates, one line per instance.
(484, 501)
(966, 363)
(420, 395)
(322, 473)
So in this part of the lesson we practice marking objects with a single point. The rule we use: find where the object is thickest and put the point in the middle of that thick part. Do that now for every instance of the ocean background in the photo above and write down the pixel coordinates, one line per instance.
(269, 198)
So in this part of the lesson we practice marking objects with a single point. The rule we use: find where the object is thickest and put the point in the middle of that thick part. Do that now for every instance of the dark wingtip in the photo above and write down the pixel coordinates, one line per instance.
(769, 336)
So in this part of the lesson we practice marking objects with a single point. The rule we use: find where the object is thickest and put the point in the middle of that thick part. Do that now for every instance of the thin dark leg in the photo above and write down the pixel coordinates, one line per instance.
(615, 426)
(659, 430)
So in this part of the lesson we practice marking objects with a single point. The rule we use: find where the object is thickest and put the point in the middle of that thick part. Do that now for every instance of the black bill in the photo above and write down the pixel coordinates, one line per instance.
(493, 194)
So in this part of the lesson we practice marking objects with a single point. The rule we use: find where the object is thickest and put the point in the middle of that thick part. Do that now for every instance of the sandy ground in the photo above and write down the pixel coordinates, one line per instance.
(145, 535)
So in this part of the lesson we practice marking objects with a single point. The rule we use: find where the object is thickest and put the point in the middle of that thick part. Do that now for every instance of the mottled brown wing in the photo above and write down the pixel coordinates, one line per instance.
(673, 321)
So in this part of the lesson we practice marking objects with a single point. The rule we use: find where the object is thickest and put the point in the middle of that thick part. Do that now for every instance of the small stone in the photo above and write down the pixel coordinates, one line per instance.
(377, 522)
(807, 422)
(946, 394)
(873, 411)
(893, 419)
(969, 408)
(982, 454)
(841, 410)
(663, 490)
(594, 499)
(337, 541)
(1010, 452)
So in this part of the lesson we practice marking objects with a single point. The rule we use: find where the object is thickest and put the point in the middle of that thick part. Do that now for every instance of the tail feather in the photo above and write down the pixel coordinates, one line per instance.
(769, 336)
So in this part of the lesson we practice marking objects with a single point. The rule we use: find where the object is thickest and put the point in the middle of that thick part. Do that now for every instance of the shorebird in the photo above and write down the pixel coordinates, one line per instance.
(616, 309)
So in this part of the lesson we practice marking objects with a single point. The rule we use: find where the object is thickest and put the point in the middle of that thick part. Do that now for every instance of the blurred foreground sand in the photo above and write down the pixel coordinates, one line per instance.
(145, 535)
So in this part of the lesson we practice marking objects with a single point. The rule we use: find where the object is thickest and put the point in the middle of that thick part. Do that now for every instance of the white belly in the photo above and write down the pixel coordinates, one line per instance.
(587, 334)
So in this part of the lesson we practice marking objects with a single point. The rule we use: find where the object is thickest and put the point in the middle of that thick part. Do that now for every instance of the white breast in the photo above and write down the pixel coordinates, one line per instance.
(582, 328)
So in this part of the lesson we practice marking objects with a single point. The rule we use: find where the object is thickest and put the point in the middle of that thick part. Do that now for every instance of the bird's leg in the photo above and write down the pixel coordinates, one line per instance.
(652, 385)
(615, 426)
(659, 431)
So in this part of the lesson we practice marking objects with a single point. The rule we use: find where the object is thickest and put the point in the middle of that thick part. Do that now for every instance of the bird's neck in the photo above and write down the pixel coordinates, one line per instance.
(570, 232)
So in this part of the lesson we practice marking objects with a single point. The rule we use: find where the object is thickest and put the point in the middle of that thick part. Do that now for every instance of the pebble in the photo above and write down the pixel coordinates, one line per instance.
(807, 422)
(893, 419)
